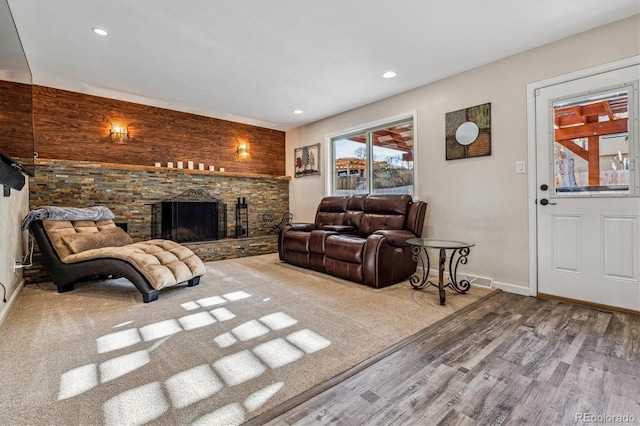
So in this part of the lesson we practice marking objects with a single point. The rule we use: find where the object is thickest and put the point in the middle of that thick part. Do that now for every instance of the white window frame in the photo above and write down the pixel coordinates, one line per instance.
(362, 128)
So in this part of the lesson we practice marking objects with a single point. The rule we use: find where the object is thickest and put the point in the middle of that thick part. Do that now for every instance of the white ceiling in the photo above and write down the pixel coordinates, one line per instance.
(256, 61)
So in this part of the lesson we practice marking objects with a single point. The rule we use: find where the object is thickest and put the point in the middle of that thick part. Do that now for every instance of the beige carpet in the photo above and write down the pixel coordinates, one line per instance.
(255, 333)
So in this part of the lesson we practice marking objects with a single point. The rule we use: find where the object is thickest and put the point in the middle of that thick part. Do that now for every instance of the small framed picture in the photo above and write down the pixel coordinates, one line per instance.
(307, 160)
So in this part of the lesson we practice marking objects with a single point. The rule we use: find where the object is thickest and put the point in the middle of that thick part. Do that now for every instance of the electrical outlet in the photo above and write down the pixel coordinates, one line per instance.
(520, 167)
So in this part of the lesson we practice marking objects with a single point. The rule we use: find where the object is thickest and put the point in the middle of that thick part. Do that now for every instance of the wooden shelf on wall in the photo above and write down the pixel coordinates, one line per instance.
(95, 165)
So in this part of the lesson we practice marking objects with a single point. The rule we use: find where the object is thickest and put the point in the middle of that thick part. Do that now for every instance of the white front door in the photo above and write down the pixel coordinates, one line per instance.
(587, 189)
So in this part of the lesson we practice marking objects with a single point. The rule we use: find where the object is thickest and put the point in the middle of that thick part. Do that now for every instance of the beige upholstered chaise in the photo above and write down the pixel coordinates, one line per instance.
(79, 250)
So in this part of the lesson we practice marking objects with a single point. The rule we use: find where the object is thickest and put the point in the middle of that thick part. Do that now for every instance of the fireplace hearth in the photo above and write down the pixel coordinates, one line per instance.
(191, 216)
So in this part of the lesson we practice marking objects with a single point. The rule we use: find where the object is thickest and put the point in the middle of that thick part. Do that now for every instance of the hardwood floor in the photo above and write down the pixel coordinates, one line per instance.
(512, 360)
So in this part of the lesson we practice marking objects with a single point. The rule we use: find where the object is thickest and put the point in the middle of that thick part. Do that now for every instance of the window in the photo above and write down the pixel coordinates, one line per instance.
(376, 160)
(591, 149)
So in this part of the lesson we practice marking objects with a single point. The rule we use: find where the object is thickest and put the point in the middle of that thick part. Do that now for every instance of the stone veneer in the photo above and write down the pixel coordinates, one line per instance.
(130, 190)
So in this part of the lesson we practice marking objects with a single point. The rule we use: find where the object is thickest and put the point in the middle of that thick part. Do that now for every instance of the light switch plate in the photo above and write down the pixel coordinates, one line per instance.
(520, 167)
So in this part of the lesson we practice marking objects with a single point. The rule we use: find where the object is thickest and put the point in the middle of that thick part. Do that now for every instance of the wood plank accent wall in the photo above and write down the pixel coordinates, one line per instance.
(74, 126)
(16, 123)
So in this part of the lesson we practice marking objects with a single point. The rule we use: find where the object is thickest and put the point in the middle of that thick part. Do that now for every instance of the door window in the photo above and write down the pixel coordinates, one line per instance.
(592, 154)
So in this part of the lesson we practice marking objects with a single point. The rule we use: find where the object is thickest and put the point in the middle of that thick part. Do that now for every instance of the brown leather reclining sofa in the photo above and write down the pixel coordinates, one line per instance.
(360, 238)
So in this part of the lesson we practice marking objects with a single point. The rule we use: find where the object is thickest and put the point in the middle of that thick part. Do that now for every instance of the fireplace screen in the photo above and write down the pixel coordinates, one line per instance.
(193, 215)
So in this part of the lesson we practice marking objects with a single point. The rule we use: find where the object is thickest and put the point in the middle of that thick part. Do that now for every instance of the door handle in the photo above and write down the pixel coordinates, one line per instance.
(544, 202)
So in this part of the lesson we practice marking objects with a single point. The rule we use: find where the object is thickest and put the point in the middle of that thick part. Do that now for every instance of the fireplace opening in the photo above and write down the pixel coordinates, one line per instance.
(191, 216)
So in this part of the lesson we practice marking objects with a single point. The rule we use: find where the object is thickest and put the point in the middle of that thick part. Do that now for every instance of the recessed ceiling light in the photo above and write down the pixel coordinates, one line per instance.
(298, 111)
(100, 31)
(389, 74)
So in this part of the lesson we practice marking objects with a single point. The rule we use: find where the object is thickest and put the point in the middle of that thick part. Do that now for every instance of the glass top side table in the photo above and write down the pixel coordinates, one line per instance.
(459, 252)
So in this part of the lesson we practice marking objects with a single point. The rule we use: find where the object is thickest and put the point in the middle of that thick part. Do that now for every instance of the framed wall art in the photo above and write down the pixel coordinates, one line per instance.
(307, 160)
(468, 132)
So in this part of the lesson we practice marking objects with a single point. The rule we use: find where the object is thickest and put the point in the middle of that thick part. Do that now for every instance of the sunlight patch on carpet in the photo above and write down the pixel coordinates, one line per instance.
(190, 306)
(160, 329)
(277, 353)
(308, 341)
(119, 366)
(211, 301)
(278, 321)
(78, 381)
(238, 368)
(136, 406)
(222, 314)
(192, 385)
(225, 340)
(157, 344)
(201, 319)
(250, 330)
(229, 415)
(236, 295)
(257, 399)
(118, 340)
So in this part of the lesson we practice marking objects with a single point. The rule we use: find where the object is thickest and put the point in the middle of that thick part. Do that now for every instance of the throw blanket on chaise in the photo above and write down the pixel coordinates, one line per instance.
(67, 213)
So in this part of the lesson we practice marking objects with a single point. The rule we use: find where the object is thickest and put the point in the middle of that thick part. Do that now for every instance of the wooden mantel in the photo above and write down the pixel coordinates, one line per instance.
(136, 168)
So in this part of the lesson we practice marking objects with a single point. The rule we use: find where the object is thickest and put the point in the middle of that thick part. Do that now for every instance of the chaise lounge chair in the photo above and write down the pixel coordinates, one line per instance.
(80, 250)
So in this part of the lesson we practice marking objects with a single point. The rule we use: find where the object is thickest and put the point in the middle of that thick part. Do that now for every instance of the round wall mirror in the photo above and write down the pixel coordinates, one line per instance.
(467, 132)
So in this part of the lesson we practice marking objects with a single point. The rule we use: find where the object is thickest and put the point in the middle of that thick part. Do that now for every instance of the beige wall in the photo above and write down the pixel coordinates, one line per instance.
(481, 200)
(12, 210)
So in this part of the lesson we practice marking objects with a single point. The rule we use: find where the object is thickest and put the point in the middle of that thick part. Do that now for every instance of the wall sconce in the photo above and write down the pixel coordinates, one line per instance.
(243, 149)
(119, 134)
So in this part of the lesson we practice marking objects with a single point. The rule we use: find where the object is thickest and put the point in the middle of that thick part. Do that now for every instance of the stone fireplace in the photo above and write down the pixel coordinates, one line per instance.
(130, 191)
(191, 216)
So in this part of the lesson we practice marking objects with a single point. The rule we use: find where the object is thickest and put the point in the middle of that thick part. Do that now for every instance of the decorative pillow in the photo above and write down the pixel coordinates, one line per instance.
(112, 237)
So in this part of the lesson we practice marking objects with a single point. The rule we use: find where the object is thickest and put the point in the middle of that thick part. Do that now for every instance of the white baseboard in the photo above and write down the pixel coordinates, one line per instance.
(511, 288)
(10, 302)
(473, 279)
(484, 282)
